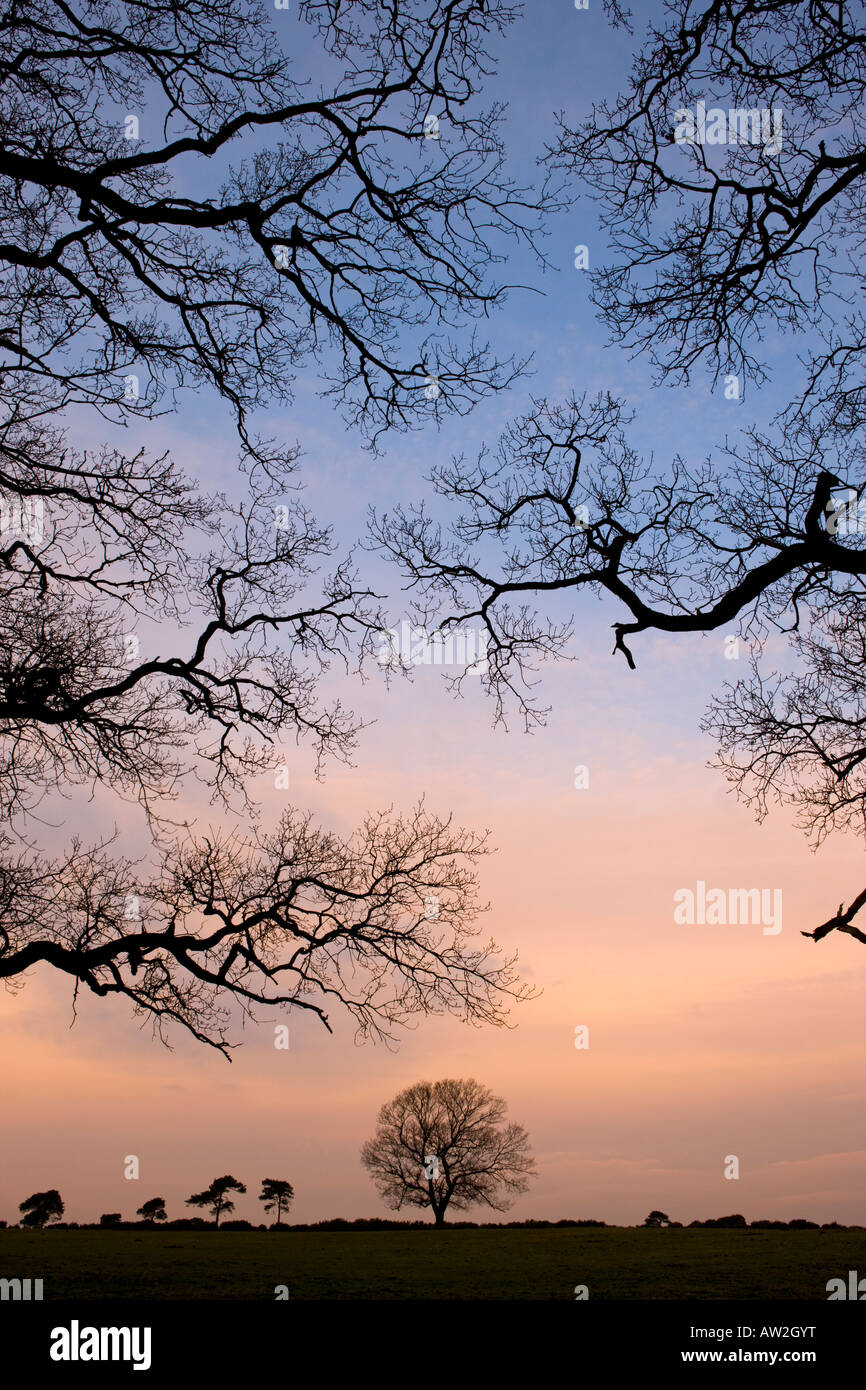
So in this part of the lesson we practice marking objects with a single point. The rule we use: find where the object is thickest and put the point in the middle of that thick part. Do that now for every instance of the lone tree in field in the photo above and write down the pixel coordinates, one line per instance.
(41, 1208)
(181, 210)
(447, 1144)
(657, 1218)
(277, 1196)
(153, 1210)
(214, 1197)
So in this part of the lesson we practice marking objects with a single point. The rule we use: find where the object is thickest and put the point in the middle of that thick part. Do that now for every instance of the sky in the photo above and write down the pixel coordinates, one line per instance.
(705, 1041)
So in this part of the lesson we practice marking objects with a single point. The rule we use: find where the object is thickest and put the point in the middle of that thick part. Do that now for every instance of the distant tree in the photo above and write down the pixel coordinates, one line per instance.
(215, 1197)
(657, 1218)
(110, 1218)
(445, 1144)
(152, 1210)
(41, 1208)
(277, 1195)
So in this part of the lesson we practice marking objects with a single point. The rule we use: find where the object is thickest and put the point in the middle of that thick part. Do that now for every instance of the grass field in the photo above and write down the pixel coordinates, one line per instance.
(614, 1263)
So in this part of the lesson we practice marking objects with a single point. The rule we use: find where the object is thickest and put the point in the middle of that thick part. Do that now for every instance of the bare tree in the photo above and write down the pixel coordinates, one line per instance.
(723, 228)
(800, 739)
(319, 215)
(715, 241)
(295, 917)
(446, 1144)
(566, 504)
(181, 211)
(117, 292)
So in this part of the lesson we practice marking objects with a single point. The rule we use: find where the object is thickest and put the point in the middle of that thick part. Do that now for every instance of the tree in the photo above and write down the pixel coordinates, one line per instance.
(728, 1222)
(277, 1196)
(41, 1208)
(152, 632)
(292, 917)
(447, 1144)
(711, 238)
(348, 225)
(215, 1197)
(152, 1210)
(712, 247)
(110, 1219)
(657, 1218)
(798, 739)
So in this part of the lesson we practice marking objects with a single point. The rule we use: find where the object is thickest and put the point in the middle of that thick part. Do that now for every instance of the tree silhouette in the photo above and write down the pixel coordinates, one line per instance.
(712, 248)
(294, 916)
(708, 251)
(214, 1197)
(152, 1210)
(657, 1218)
(798, 739)
(277, 1196)
(336, 220)
(151, 632)
(41, 1208)
(447, 1144)
(110, 1219)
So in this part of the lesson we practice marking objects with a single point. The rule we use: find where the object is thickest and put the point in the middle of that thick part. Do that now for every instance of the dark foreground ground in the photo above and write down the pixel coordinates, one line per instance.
(614, 1263)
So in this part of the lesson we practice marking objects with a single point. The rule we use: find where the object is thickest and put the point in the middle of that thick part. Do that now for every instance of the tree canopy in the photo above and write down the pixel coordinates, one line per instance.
(41, 1208)
(215, 1198)
(277, 1195)
(713, 248)
(183, 210)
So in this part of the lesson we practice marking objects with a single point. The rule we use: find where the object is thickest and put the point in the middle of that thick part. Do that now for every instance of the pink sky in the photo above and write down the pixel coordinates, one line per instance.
(704, 1041)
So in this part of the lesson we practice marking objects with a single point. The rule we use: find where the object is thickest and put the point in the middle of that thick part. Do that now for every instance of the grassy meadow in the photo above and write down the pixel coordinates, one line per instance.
(613, 1262)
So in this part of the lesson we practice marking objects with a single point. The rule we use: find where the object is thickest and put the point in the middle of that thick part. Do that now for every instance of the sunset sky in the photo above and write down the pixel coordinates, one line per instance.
(705, 1041)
